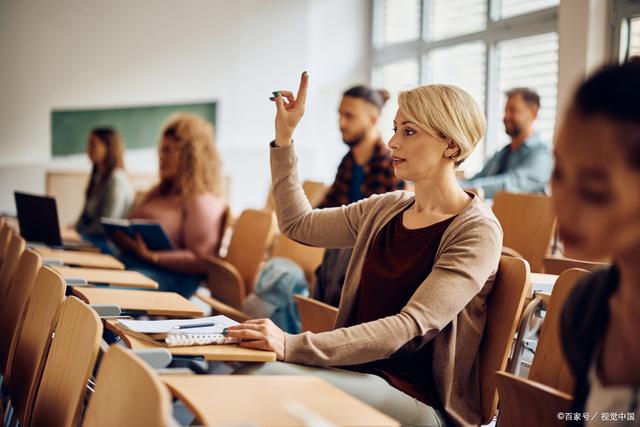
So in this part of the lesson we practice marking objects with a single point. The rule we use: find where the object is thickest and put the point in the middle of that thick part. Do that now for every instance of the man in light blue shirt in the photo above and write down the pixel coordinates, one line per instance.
(523, 166)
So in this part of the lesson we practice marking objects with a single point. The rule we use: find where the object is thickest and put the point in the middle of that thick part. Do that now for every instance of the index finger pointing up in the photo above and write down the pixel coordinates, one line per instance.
(302, 90)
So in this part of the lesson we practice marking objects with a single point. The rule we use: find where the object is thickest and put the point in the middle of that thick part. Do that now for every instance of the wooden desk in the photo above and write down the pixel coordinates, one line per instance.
(152, 302)
(213, 352)
(265, 400)
(81, 259)
(131, 279)
(70, 235)
(542, 282)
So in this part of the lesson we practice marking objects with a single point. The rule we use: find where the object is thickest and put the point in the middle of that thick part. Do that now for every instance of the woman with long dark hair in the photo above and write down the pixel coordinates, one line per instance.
(109, 192)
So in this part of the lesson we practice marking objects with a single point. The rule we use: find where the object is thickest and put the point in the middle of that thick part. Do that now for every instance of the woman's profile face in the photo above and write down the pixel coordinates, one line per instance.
(96, 150)
(596, 193)
(169, 158)
(417, 154)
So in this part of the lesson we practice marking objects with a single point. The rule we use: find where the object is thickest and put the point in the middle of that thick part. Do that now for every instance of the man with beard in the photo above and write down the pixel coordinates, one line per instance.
(366, 169)
(523, 166)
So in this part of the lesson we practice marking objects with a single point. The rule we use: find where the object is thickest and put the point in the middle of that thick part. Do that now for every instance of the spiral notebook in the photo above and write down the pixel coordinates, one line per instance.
(182, 332)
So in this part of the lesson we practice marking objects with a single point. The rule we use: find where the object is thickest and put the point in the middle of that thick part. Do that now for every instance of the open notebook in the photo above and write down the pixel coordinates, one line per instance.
(182, 332)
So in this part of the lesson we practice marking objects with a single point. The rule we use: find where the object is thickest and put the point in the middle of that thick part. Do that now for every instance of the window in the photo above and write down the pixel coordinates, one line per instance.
(634, 39)
(484, 46)
(626, 39)
(530, 62)
(509, 8)
(401, 21)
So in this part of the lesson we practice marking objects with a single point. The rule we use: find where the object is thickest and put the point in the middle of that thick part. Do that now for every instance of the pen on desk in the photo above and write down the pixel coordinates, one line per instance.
(194, 325)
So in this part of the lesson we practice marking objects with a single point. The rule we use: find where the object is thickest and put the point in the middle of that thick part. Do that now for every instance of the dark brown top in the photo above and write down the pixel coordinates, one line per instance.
(398, 262)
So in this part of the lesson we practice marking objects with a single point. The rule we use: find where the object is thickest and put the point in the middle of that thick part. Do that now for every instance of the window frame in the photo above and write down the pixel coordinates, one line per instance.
(497, 30)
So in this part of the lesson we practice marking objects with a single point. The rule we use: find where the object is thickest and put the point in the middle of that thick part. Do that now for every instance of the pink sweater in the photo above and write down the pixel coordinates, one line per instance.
(193, 225)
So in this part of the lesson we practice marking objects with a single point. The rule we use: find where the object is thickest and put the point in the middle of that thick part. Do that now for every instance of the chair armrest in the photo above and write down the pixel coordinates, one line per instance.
(225, 282)
(222, 308)
(157, 358)
(106, 310)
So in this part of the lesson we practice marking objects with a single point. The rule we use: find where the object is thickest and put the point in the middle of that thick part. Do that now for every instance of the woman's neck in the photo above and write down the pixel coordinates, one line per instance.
(440, 194)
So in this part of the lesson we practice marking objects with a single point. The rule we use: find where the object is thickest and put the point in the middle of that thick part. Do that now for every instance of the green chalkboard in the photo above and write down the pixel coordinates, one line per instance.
(138, 126)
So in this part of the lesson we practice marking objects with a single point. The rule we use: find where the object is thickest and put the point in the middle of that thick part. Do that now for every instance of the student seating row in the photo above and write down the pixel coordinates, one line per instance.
(252, 236)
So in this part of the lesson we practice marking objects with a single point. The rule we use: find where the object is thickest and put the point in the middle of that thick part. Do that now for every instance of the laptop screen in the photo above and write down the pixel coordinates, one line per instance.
(38, 218)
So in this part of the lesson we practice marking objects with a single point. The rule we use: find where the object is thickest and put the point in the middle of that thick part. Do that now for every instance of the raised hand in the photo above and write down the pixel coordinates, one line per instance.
(289, 111)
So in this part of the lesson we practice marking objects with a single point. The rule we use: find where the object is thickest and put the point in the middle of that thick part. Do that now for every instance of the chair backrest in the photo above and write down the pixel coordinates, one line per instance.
(225, 221)
(11, 314)
(315, 315)
(14, 251)
(38, 323)
(528, 222)
(307, 257)
(504, 307)
(525, 403)
(315, 191)
(549, 365)
(127, 392)
(71, 360)
(4, 240)
(557, 265)
(252, 235)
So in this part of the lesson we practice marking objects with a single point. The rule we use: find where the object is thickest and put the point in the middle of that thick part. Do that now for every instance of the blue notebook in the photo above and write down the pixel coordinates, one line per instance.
(151, 232)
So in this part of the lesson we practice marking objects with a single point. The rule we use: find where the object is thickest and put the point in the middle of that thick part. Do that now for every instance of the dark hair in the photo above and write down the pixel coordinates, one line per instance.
(530, 96)
(113, 159)
(375, 97)
(614, 94)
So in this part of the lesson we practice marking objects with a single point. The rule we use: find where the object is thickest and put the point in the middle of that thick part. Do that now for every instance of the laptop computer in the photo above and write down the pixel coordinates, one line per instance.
(38, 220)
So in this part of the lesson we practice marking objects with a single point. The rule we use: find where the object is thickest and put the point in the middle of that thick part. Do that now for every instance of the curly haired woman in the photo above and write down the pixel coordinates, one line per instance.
(187, 202)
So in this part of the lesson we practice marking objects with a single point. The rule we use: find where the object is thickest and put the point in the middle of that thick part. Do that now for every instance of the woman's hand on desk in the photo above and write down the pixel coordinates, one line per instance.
(260, 334)
(136, 246)
(290, 110)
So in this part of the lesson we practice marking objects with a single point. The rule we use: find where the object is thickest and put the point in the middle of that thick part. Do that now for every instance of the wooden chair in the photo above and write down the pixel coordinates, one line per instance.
(11, 314)
(32, 345)
(4, 240)
(525, 403)
(504, 306)
(528, 222)
(314, 190)
(13, 252)
(537, 400)
(140, 400)
(557, 265)
(69, 365)
(307, 257)
(315, 315)
(231, 279)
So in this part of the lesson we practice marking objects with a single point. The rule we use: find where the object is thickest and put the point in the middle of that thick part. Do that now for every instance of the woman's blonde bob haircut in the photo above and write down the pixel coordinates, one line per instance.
(447, 110)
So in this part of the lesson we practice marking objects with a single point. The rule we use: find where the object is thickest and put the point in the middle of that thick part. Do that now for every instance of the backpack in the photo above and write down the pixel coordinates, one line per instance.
(278, 280)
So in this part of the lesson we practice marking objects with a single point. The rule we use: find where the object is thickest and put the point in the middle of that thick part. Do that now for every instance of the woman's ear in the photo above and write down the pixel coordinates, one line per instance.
(452, 150)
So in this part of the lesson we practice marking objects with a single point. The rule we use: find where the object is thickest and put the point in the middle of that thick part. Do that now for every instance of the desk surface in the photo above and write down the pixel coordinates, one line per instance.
(543, 282)
(270, 400)
(131, 279)
(81, 259)
(153, 302)
(213, 352)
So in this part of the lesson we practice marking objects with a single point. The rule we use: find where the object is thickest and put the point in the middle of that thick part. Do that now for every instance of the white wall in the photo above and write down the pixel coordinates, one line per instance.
(90, 53)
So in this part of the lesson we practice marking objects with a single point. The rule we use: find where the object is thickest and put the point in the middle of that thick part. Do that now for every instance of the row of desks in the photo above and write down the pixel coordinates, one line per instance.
(273, 400)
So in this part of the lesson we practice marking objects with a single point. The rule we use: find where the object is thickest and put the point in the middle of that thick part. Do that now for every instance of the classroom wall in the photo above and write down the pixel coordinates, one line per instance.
(92, 54)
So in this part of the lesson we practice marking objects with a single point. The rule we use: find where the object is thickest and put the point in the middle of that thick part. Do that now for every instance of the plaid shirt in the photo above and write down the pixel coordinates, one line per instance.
(379, 177)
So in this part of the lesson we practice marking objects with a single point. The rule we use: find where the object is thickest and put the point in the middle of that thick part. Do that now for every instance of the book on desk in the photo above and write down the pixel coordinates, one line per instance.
(151, 232)
(181, 332)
